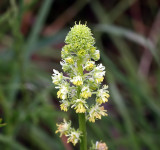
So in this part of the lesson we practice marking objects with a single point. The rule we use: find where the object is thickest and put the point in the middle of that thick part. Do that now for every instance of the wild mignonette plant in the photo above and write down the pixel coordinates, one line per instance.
(81, 85)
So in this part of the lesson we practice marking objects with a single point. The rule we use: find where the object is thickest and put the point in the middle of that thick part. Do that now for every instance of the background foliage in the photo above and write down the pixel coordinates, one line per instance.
(32, 34)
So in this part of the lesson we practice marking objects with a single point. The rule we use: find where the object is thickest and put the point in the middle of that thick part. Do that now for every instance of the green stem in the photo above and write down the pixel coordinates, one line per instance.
(81, 116)
(82, 127)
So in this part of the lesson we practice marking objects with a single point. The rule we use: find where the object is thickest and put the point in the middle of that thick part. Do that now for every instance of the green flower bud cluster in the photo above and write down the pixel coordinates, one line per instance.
(84, 77)
(80, 44)
(79, 40)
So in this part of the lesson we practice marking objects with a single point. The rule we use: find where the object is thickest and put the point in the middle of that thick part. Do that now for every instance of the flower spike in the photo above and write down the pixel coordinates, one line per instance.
(81, 87)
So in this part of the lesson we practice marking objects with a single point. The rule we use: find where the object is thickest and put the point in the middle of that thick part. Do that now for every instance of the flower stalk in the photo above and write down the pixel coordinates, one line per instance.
(81, 116)
(82, 128)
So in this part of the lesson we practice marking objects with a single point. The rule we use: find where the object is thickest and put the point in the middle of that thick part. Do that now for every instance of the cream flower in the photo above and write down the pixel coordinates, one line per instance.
(102, 95)
(77, 80)
(96, 55)
(56, 77)
(65, 66)
(96, 112)
(64, 105)
(79, 105)
(63, 128)
(89, 65)
(63, 91)
(99, 73)
(85, 92)
(74, 137)
(101, 146)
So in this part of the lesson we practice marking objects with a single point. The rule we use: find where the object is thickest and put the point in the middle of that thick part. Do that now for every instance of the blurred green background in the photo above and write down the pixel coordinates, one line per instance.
(32, 33)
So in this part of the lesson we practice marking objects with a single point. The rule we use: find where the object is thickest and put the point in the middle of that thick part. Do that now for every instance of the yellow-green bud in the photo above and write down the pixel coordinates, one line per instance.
(69, 60)
(81, 53)
(79, 36)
